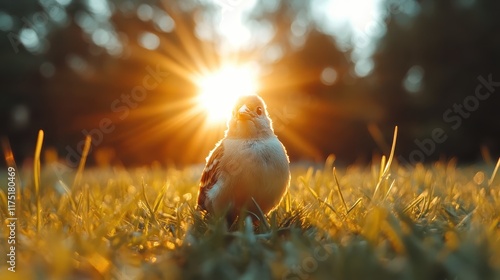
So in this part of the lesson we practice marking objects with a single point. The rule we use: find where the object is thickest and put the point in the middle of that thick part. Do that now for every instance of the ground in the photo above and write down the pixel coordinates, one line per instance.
(436, 221)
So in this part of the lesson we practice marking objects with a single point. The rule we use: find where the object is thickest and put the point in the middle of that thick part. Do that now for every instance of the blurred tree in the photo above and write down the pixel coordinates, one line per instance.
(71, 64)
(314, 83)
(429, 60)
(20, 81)
(68, 65)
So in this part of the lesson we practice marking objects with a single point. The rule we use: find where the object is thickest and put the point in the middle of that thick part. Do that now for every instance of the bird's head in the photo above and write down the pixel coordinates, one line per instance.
(249, 119)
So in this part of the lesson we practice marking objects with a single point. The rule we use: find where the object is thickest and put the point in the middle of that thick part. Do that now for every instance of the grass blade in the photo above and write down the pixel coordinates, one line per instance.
(148, 206)
(261, 216)
(339, 190)
(83, 159)
(382, 165)
(159, 198)
(9, 159)
(465, 219)
(389, 190)
(36, 174)
(319, 199)
(68, 192)
(393, 149)
(354, 205)
(495, 171)
(389, 162)
(288, 201)
(414, 203)
(313, 192)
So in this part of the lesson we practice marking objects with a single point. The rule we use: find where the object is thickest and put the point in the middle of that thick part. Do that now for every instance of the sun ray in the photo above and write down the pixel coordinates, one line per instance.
(301, 144)
(186, 114)
(219, 90)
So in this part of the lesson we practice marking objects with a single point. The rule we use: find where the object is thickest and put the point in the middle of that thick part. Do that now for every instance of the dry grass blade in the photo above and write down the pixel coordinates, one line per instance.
(7, 151)
(304, 183)
(83, 159)
(86, 207)
(303, 180)
(261, 216)
(495, 171)
(288, 201)
(36, 174)
(4, 204)
(148, 206)
(389, 162)
(414, 203)
(427, 204)
(339, 190)
(382, 165)
(466, 218)
(393, 149)
(11, 162)
(159, 198)
(389, 190)
(328, 205)
(354, 205)
(313, 192)
(68, 192)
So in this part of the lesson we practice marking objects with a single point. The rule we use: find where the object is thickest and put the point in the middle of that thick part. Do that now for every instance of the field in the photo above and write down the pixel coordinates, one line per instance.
(381, 221)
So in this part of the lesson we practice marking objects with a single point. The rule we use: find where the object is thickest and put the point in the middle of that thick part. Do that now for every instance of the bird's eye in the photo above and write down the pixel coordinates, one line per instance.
(259, 111)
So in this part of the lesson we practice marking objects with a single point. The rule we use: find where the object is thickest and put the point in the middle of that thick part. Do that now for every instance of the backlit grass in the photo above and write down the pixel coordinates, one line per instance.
(383, 221)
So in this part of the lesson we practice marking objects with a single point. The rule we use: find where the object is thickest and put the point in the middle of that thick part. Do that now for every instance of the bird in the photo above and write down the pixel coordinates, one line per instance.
(248, 166)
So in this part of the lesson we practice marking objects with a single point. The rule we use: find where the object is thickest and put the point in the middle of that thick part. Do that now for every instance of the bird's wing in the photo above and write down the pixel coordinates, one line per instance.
(210, 174)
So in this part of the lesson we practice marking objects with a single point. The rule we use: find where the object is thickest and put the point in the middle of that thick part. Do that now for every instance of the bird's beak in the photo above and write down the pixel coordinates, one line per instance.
(243, 113)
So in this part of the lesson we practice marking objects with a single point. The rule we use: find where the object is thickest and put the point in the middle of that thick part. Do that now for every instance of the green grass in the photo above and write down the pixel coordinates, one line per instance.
(381, 221)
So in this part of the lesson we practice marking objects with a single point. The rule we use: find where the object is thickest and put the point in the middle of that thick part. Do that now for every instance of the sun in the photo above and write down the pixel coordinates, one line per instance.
(219, 90)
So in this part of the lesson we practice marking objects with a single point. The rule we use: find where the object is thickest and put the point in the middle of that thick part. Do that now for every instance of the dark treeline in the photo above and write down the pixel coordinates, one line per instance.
(67, 67)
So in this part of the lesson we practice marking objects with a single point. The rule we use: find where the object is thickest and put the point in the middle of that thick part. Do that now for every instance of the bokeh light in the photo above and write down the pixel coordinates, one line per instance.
(171, 70)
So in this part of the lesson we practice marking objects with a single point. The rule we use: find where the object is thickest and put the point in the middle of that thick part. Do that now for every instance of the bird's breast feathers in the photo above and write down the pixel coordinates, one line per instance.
(254, 158)
(248, 169)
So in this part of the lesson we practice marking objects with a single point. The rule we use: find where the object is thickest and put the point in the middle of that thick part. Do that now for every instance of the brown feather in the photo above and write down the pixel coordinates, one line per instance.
(210, 175)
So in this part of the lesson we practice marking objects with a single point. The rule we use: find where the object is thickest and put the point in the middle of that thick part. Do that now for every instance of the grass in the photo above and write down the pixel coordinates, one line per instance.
(381, 221)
